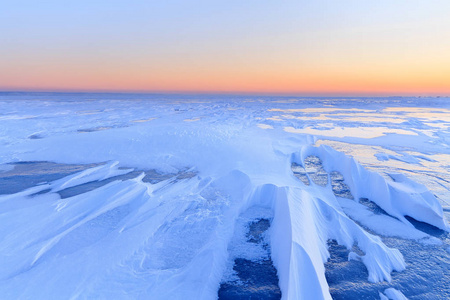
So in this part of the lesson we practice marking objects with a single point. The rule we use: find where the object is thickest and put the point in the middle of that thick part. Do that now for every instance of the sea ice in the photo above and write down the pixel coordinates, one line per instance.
(172, 197)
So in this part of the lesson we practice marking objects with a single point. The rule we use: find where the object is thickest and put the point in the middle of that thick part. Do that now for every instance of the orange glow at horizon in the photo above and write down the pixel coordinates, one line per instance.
(309, 81)
(306, 47)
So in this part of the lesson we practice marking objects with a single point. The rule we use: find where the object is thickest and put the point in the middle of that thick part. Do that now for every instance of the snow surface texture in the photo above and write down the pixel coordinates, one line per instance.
(183, 197)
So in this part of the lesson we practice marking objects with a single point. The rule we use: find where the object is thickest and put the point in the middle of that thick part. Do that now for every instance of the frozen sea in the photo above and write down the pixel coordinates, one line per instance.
(146, 196)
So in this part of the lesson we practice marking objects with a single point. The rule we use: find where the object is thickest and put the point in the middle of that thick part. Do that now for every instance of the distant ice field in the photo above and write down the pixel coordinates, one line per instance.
(136, 196)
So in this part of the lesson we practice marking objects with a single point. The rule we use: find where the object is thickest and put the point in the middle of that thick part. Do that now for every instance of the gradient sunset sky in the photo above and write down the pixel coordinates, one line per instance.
(321, 47)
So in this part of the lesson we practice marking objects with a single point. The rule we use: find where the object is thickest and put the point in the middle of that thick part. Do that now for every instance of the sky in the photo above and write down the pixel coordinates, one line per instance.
(313, 47)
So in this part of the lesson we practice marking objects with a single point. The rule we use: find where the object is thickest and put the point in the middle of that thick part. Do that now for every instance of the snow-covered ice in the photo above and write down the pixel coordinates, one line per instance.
(131, 196)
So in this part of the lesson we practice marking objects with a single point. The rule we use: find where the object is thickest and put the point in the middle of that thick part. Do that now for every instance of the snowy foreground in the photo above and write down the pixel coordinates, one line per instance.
(184, 197)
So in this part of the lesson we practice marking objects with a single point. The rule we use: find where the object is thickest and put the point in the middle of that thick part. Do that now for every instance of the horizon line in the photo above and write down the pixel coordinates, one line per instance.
(231, 93)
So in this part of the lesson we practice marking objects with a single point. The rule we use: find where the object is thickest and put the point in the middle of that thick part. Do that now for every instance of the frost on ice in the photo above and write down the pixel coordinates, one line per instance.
(215, 198)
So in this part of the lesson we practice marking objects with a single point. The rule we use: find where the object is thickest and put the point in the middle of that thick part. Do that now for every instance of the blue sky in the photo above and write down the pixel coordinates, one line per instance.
(285, 46)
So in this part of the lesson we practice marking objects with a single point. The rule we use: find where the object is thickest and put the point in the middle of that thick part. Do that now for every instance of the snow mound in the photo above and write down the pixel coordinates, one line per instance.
(399, 198)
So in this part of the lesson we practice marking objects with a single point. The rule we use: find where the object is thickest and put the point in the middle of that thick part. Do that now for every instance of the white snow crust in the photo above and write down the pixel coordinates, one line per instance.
(132, 239)
(393, 294)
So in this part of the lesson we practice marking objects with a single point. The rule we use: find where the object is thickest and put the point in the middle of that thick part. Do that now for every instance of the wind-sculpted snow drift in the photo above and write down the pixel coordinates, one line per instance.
(169, 240)
(176, 212)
